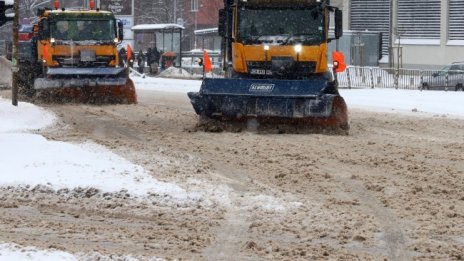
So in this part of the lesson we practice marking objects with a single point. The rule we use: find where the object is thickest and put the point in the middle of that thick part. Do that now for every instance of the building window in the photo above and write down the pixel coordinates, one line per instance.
(456, 20)
(371, 15)
(419, 19)
(194, 5)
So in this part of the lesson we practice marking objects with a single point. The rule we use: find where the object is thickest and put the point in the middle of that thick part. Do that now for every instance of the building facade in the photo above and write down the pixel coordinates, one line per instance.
(424, 33)
(199, 14)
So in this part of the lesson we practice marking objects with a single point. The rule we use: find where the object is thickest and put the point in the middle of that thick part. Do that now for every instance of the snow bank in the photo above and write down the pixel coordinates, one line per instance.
(173, 72)
(23, 118)
(406, 101)
(37, 161)
(30, 159)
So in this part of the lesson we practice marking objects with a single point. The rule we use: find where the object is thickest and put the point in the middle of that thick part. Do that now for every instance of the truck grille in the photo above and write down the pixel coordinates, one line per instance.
(100, 61)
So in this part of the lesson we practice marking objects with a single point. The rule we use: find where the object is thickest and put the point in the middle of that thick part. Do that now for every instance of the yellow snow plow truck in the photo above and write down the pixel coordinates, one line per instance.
(276, 66)
(71, 55)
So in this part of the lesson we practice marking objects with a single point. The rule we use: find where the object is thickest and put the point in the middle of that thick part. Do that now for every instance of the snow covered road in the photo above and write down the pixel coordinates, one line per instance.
(138, 181)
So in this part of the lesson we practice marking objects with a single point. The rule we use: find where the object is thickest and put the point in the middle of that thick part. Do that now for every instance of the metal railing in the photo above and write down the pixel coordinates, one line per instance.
(189, 62)
(5, 48)
(375, 77)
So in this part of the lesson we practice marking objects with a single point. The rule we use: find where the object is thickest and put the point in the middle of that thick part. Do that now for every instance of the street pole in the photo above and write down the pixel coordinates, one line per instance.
(194, 34)
(390, 37)
(15, 87)
(175, 11)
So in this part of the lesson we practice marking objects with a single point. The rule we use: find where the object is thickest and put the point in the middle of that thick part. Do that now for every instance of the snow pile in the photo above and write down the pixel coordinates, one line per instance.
(30, 159)
(22, 118)
(173, 72)
(63, 165)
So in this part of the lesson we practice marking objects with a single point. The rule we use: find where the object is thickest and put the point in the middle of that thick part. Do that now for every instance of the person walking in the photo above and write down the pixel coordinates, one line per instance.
(141, 61)
(122, 56)
(130, 56)
(149, 56)
(156, 55)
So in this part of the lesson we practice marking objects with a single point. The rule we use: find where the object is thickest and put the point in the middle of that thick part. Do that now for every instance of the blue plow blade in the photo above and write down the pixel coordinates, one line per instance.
(262, 99)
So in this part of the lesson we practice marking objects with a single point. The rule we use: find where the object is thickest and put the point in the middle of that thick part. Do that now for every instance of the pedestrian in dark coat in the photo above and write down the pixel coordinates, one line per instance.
(141, 61)
(149, 56)
(122, 56)
(156, 55)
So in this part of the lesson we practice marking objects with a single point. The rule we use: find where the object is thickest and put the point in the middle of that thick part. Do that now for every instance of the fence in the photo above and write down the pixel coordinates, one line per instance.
(5, 48)
(189, 62)
(374, 77)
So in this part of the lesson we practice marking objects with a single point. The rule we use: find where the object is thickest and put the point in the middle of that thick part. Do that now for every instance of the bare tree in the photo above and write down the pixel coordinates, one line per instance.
(156, 11)
(28, 11)
(29, 7)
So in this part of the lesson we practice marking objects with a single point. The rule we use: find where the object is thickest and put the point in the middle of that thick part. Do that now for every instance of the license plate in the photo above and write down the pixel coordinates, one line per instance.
(260, 72)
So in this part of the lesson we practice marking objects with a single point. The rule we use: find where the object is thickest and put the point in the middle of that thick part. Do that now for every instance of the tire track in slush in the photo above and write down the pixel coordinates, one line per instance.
(395, 239)
(232, 234)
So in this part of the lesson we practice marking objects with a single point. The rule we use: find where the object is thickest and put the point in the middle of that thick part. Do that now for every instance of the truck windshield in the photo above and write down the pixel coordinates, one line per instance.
(86, 30)
(301, 23)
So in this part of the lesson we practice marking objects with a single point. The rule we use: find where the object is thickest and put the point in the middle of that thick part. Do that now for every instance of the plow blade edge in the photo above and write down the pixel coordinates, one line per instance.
(88, 85)
(275, 101)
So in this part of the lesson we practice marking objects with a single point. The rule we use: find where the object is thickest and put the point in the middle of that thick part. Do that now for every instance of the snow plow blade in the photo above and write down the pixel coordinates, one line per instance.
(302, 102)
(86, 85)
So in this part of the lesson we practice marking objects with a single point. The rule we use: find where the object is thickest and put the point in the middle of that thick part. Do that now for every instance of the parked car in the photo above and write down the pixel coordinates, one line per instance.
(450, 77)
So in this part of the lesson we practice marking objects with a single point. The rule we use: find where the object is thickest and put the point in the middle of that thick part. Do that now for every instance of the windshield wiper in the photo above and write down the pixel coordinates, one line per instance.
(307, 37)
(287, 39)
(257, 37)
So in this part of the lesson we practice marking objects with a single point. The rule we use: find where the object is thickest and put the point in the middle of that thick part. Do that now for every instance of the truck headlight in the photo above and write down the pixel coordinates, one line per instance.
(298, 48)
(266, 47)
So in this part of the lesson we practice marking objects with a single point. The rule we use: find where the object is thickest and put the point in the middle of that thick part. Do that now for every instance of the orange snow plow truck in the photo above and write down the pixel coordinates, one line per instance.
(276, 66)
(71, 55)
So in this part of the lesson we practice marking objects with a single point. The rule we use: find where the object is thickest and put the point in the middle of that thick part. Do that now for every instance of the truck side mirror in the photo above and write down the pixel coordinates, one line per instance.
(338, 23)
(222, 23)
(120, 31)
(44, 30)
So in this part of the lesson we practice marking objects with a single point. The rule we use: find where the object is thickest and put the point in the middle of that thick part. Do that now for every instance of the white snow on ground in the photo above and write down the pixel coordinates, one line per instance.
(30, 159)
(406, 101)
(14, 252)
(23, 118)
(167, 85)
(173, 72)
(38, 161)
(381, 100)
(10, 252)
